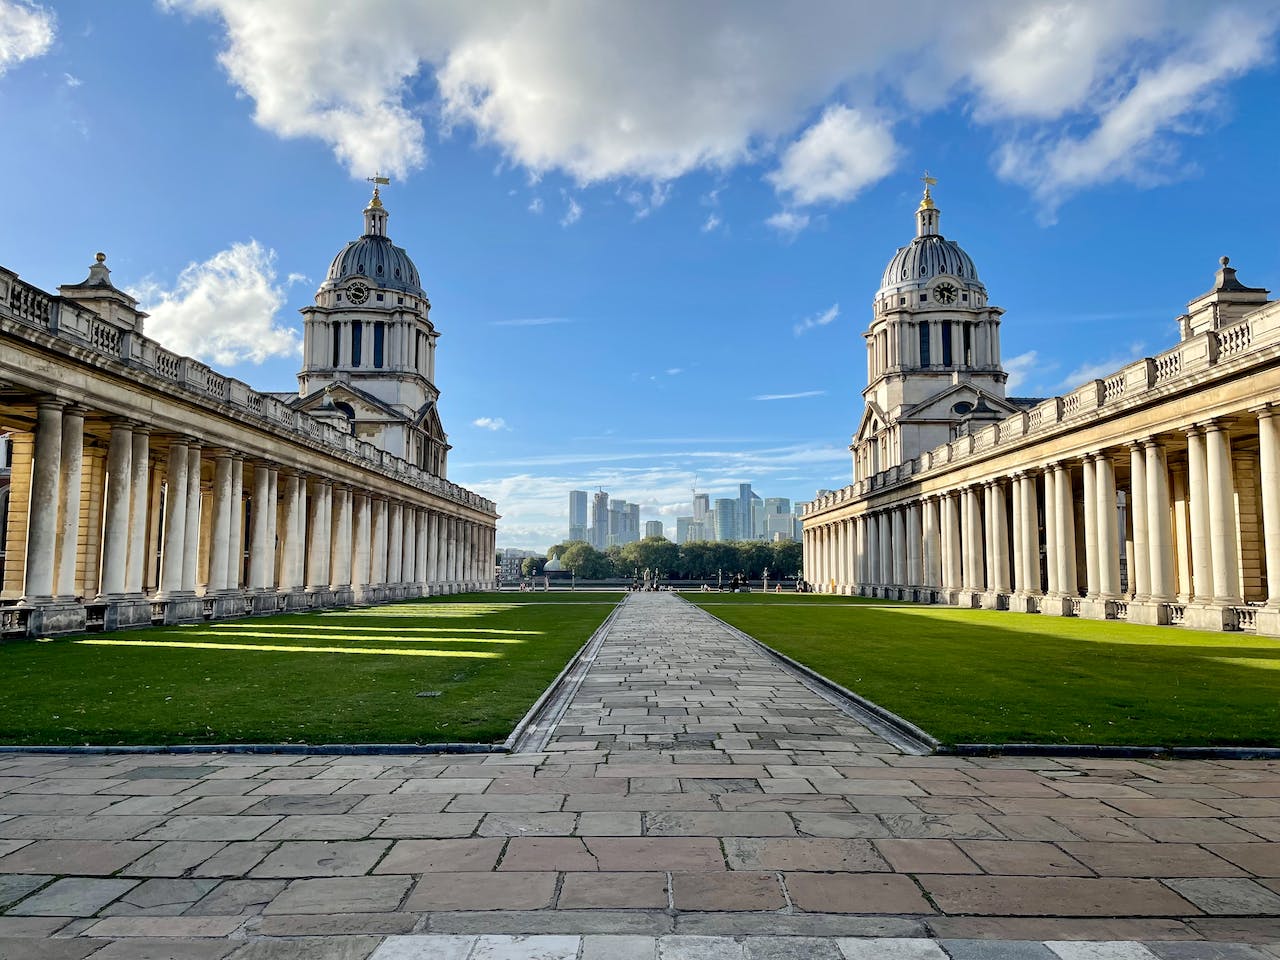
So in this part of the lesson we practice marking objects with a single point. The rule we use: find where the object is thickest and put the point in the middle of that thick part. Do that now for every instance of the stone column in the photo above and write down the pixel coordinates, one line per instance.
(1269, 476)
(378, 547)
(321, 524)
(433, 549)
(954, 544)
(928, 543)
(175, 517)
(1019, 537)
(395, 543)
(915, 543)
(1159, 526)
(1140, 559)
(115, 530)
(361, 537)
(1198, 509)
(999, 524)
(1092, 583)
(973, 537)
(261, 550)
(70, 475)
(290, 548)
(1066, 526)
(1031, 527)
(42, 523)
(235, 532)
(191, 541)
(1052, 549)
(273, 524)
(340, 551)
(1222, 516)
(421, 550)
(873, 550)
(886, 549)
(453, 551)
(899, 547)
(139, 494)
(1108, 528)
(220, 529)
(409, 562)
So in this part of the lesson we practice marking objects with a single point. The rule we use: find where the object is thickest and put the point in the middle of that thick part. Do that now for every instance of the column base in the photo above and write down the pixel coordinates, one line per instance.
(1268, 621)
(264, 602)
(51, 617)
(318, 597)
(1058, 605)
(342, 596)
(177, 608)
(1025, 603)
(994, 600)
(1209, 616)
(969, 599)
(1151, 612)
(121, 611)
(1097, 608)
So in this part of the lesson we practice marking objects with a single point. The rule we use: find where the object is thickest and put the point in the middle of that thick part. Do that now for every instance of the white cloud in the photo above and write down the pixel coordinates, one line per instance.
(712, 222)
(1101, 369)
(572, 214)
(818, 319)
(835, 158)
(27, 31)
(531, 322)
(1019, 368)
(223, 310)
(674, 371)
(72, 81)
(791, 396)
(788, 222)
(490, 423)
(535, 205)
(1078, 93)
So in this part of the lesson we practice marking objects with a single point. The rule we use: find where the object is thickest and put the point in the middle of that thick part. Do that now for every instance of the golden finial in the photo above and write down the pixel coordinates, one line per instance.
(100, 257)
(378, 181)
(926, 202)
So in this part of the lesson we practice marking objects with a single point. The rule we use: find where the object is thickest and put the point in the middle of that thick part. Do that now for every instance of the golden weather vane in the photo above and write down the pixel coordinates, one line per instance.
(928, 182)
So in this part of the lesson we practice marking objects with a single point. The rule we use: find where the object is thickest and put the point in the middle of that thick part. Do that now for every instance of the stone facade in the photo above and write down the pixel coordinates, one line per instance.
(146, 487)
(1151, 494)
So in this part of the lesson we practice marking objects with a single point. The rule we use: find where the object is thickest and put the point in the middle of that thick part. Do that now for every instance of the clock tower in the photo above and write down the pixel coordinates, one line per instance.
(933, 351)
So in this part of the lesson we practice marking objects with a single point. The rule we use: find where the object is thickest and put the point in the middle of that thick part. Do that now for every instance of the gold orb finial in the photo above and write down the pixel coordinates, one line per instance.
(100, 257)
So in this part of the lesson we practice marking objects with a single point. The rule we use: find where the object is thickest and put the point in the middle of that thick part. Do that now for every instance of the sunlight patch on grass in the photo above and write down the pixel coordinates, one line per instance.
(1256, 662)
(279, 648)
(302, 628)
(264, 635)
(416, 610)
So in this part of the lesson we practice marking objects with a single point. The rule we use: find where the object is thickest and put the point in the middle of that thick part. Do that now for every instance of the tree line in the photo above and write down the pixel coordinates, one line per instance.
(703, 560)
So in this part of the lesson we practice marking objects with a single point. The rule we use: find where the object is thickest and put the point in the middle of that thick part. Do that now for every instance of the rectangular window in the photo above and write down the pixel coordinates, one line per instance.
(357, 341)
(968, 344)
(379, 337)
(924, 344)
(946, 343)
(924, 298)
(337, 344)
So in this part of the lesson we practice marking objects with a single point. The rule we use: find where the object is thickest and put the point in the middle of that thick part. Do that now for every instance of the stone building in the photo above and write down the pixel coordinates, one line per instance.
(1150, 495)
(145, 487)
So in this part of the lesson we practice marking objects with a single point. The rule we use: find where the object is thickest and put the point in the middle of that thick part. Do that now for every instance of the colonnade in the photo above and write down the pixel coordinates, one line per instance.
(123, 525)
(1178, 527)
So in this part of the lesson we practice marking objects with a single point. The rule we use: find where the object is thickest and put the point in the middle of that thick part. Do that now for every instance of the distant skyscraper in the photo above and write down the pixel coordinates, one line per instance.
(746, 512)
(599, 534)
(701, 506)
(725, 514)
(682, 529)
(653, 528)
(632, 529)
(577, 514)
(776, 505)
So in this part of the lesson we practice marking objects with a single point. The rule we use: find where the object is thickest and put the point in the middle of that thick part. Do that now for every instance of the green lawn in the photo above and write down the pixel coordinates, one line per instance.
(977, 676)
(340, 676)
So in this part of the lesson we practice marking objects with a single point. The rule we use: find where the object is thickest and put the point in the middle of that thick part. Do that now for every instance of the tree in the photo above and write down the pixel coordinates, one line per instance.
(586, 562)
(788, 559)
(652, 553)
(532, 566)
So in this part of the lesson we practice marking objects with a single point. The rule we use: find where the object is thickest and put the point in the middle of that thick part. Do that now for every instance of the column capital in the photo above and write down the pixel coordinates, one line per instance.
(50, 402)
(1264, 410)
(125, 423)
(74, 409)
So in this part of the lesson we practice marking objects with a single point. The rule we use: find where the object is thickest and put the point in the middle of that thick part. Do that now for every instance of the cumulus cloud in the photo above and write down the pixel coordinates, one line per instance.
(1074, 93)
(26, 32)
(788, 222)
(490, 423)
(223, 310)
(572, 213)
(1019, 368)
(818, 319)
(1101, 369)
(835, 158)
(711, 223)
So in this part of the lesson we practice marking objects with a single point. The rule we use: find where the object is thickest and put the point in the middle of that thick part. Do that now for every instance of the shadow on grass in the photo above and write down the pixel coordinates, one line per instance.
(983, 676)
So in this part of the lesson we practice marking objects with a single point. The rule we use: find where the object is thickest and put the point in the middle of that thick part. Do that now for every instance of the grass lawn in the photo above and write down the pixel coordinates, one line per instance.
(339, 676)
(977, 676)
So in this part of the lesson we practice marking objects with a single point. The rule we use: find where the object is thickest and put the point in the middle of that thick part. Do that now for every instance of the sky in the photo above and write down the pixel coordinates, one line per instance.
(651, 233)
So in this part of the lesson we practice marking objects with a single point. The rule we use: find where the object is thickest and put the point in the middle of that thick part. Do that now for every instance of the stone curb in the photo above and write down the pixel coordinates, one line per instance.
(900, 732)
(316, 749)
(534, 729)
(1105, 750)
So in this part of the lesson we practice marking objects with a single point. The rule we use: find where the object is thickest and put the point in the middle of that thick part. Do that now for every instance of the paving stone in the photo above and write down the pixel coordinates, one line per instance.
(791, 948)
(613, 890)
(173, 858)
(233, 860)
(12, 948)
(160, 897)
(526, 824)
(1114, 950)
(1260, 859)
(330, 895)
(73, 897)
(232, 897)
(727, 891)
(997, 950)
(787, 854)
(608, 824)
(418, 825)
(433, 856)
(211, 828)
(483, 891)
(1022, 858)
(880, 948)
(656, 853)
(1200, 950)
(699, 948)
(605, 947)
(1151, 860)
(146, 948)
(317, 948)
(70, 857)
(855, 893)
(926, 856)
(1054, 896)
(849, 825)
(534, 947)
(307, 858)
(1229, 896)
(13, 887)
(165, 927)
(438, 947)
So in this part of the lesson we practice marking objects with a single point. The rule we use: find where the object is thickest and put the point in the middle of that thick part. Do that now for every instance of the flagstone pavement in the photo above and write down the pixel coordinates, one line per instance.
(695, 801)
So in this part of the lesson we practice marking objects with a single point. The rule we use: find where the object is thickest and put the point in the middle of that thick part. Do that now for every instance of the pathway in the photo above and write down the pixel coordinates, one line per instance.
(695, 802)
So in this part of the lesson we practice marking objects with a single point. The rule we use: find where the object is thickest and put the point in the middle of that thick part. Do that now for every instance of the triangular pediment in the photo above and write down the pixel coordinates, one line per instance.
(428, 420)
(365, 406)
(941, 406)
(873, 420)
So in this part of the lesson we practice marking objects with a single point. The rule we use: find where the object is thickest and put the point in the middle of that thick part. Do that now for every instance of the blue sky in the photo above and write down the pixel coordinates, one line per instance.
(651, 233)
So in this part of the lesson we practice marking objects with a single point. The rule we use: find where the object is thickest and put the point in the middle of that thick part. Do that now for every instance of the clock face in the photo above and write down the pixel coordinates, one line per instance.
(358, 292)
(945, 292)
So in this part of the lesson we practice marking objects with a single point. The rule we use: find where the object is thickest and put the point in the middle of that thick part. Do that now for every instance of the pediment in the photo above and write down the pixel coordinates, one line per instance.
(365, 406)
(941, 405)
(873, 420)
(428, 421)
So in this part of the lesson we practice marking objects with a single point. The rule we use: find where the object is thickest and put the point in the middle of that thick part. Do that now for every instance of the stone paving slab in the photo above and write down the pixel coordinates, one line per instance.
(695, 799)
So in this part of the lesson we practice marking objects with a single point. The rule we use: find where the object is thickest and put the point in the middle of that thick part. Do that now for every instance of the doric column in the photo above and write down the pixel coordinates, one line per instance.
(1031, 535)
(220, 529)
(1066, 526)
(1108, 528)
(1269, 476)
(273, 524)
(1140, 559)
(291, 549)
(395, 543)
(139, 493)
(1019, 538)
(71, 473)
(1222, 515)
(409, 563)
(235, 531)
(954, 542)
(1198, 508)
(886, 548)
(115, 527)
(899, 547)
(261, 550)
(972, 540)
(42, 522)
(421, 549)
(873, 550)
(1052, 550)
(191, 535)
(361, 537)
(378, 547)
(321, 525)
(340, 555)
(1092, 588)
(999, 524)
(915, 543)
(1159, 524)
(433, 547)
(454, 564)
(175, 517)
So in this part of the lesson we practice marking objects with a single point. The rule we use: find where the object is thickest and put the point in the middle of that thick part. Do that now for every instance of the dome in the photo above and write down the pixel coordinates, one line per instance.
(375, 258)
(925, 258)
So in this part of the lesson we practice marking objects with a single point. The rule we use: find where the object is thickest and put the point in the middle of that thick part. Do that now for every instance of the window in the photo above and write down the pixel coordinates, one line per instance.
(924, 344)
(337, 344)
(964, 297)
(357, 337)
(379, 338)
(946, 343)
(924, 298)
(968, 344)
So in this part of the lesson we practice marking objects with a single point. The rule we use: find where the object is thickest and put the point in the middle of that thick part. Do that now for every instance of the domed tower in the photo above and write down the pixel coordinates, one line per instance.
(370, 348)
(933, 351)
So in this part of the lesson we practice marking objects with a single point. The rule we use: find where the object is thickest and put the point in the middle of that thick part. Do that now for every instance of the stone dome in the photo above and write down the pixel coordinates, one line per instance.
(925, 258)
(374, 258)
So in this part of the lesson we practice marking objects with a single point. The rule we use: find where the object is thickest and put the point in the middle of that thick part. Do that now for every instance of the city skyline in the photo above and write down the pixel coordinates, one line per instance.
(640, 272)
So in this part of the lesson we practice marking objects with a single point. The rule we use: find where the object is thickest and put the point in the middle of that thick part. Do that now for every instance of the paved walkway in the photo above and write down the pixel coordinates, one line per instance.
(694, 802)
